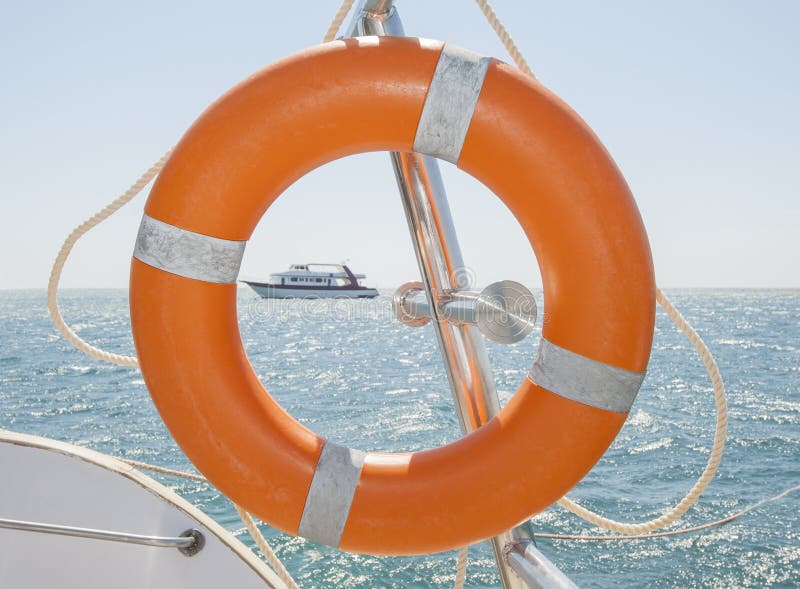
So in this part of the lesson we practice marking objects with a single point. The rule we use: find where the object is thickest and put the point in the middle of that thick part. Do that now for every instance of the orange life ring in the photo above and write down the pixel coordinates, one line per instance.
(504, 129)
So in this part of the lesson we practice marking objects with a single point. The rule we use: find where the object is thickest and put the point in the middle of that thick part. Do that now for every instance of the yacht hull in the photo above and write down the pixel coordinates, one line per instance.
(50, 482)
(269, 291)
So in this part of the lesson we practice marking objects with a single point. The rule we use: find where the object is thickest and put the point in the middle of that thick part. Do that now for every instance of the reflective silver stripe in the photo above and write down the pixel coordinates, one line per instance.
(188, 254)
(585, 380)
(450, 102)
(331, 493)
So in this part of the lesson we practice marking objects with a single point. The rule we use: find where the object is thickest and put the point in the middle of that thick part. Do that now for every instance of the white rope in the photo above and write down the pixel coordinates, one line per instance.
(337, 21)
(111, 208)
(705, 526)
(505, 37)
(714, 459)
(720, 401)
(265, 548)
(66, 248)
(164, 470)
(461, 568)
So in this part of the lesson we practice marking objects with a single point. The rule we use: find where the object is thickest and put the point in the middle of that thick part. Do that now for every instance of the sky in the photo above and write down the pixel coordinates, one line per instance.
(697, 102)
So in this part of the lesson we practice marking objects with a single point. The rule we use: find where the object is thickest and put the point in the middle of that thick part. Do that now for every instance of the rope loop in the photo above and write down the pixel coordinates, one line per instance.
(635, 529)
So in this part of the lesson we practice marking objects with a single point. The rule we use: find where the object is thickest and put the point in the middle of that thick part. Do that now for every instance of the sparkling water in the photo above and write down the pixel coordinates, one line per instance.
(350, 372)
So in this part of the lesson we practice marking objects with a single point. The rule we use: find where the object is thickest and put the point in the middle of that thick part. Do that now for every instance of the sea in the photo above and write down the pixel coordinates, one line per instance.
(352, 373)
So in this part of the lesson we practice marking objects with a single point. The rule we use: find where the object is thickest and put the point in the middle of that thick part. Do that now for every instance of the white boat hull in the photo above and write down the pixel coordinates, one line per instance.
(51, 482)
(269, 291)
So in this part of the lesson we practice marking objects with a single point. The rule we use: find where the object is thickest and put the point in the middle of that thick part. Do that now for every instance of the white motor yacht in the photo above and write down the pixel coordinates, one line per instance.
(314, 281)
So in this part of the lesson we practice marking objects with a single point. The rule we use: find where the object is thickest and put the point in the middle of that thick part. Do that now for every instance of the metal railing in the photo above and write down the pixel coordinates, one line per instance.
(444, 275)
(189, 542)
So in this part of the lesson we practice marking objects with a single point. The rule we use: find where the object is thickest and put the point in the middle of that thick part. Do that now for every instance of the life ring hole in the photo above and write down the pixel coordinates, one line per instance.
(355, 374)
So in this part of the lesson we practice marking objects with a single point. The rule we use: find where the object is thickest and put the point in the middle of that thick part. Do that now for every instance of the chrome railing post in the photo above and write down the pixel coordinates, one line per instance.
(443, 271)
